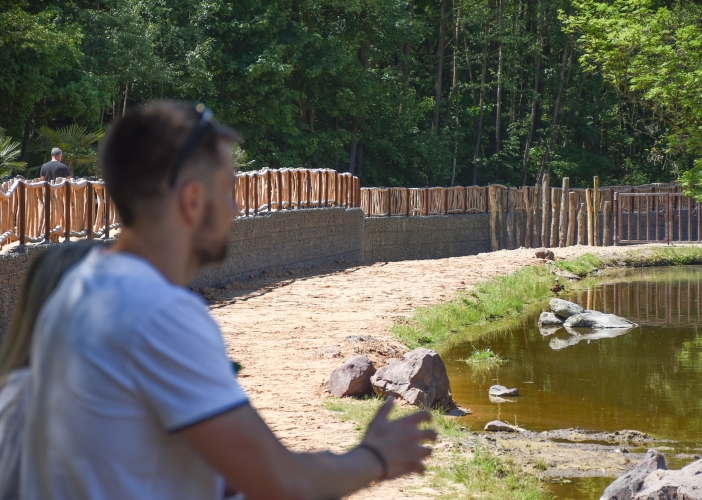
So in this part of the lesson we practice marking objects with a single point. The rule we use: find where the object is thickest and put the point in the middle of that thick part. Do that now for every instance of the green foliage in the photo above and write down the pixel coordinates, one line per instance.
(78, 146)
(9, 152)
(303, 81)
(651, 53)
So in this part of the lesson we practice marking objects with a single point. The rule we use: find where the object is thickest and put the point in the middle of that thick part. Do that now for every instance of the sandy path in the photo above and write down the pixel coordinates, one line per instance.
(273, 326)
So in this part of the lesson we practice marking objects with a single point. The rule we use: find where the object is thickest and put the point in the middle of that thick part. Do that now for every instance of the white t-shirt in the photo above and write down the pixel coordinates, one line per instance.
(121, 360)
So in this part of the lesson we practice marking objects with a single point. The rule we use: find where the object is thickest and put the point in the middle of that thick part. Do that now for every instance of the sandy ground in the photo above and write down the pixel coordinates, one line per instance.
(276, 324)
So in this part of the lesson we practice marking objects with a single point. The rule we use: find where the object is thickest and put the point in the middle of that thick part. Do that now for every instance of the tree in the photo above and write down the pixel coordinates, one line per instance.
(77, 145)
(9, 153)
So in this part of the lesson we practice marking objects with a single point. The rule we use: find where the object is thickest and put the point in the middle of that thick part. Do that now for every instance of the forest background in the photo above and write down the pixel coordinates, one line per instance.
(399, 92)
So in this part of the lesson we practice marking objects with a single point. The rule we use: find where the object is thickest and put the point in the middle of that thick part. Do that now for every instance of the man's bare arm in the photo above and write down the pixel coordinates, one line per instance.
(241, 446)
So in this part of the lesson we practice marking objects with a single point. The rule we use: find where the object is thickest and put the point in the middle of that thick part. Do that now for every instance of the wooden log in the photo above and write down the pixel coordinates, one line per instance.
(563, 223)
(502, 235)
(67, 212)
(22, 216)
(388, 192)
(572, 206)
(535, 230)
(554, 218)
(426, 201)
(47, 212)
(108, 203)
(527, 232)
(615, 218)
(492, 199)
(581, 224)
(607, 229)
(91, 205)
(590, 228)
(255, 193)
(406, 192)
(279, 178)
(269, 181)
(596, 210)
(509, 240)
(545, 198)
(290, 181)
(309, 187)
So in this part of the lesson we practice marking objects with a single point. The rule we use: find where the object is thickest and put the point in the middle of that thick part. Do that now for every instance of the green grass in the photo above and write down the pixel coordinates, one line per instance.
(668, 256)
(495, 299)
(484, 359)
(457, 474)
(582, 265)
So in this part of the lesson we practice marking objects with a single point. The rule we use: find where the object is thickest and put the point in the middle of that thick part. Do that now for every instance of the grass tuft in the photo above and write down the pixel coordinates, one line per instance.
(484, 359)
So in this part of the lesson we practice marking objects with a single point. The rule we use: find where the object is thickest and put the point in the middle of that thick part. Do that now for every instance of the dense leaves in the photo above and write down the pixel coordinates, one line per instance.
(400, 92)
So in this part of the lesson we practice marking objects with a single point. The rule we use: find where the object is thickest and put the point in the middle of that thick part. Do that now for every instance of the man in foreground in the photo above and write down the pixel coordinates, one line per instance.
(132, 393)
(52, 170)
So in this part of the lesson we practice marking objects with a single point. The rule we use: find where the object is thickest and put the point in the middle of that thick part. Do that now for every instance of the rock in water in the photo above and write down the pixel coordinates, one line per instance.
(549, 319)
(501, 390)
(353, 378)
(597, 320)
(499, 426)
(628, 486)
(419, 378)
(544, 253)
(564, 308)
(683, 484)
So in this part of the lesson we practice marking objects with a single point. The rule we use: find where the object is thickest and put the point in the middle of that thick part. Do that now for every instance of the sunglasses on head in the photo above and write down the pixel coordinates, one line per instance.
(191, 142)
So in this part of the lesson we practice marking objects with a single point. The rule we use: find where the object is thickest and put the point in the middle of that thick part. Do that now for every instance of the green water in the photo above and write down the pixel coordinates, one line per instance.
(647, 379)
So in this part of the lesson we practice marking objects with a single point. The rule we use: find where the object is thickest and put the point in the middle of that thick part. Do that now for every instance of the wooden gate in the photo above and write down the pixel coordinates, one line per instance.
(656, 218)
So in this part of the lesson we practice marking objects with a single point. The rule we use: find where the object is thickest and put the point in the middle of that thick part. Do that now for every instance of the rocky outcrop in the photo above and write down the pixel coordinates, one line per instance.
(683, 484)
(549, 319)
(419, 378)
(353, 378)
(628, 486)
(564, 308)
(502, 391)
(597, 321)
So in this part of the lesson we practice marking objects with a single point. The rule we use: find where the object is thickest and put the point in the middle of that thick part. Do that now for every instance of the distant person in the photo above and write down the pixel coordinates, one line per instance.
(54, 169)
(132, 393)
(41, 279)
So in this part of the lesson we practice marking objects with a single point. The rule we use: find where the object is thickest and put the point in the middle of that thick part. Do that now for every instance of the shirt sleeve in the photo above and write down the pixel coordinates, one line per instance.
(180, 366)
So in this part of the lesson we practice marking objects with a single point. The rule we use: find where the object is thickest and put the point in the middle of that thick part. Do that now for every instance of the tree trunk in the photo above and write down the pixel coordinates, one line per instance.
(408, 46)
(534, 105)
(556, 110)
(25, 137)
(454, 88)
(439, 66)
(352, 149)
(498, 115)
(359, 160)
(483, 78)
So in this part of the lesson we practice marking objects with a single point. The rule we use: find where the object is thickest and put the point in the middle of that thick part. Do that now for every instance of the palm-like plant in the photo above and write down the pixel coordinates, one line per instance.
(9, 152)
(78, 145)
(240, 159)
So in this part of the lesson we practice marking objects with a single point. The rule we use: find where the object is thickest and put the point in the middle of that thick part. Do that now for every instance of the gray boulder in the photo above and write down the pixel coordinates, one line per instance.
(628, 486)
(549, 319)
(597, 320)
(501, 391)
(683, 484)
(419, 378)
(353, 378)
(564, 308)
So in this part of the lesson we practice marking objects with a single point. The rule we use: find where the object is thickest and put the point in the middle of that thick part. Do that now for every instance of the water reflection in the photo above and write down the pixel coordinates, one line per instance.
(646, 379)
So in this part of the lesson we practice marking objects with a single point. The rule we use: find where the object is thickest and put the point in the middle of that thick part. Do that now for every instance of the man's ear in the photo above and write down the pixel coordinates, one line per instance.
(191, 201)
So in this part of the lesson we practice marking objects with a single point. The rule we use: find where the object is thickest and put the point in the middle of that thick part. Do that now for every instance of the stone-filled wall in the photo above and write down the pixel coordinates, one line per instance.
(435, 237)
(304, 238)
(287, 240)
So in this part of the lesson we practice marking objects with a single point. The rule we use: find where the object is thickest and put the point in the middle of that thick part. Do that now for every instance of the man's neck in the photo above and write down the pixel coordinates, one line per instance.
(167, 251)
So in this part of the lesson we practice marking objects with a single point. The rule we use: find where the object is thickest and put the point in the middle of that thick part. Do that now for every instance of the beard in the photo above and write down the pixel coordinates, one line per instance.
(207, 249)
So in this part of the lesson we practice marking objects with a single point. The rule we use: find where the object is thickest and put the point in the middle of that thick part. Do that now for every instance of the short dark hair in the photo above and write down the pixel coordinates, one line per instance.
(140, 148)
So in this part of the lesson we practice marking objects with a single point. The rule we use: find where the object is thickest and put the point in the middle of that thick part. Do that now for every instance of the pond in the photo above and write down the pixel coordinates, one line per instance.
(647, 379)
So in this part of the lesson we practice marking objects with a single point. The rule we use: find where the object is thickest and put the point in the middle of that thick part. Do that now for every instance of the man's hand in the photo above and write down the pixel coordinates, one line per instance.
(399, 441)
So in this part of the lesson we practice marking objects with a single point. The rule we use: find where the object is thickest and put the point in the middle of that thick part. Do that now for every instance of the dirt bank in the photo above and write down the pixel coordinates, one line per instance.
(276, 324)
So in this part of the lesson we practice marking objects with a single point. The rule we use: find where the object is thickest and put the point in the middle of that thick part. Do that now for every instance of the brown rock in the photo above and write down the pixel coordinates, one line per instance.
(419, 378)
(353, 378)
(544, 253)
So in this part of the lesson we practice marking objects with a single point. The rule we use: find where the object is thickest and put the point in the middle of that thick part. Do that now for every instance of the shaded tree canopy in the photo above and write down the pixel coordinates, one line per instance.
(399, 92)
